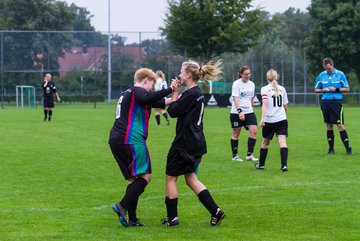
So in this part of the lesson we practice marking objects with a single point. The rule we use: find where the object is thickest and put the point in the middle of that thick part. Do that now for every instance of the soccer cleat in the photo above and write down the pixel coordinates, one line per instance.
(217, 218)
(237, 158)
(331, 152)
(284, 169)
(349, 151)
(251, 158)
(135, 224)
(257, 166)
(167, 122)
(121, 212)
(170, 223)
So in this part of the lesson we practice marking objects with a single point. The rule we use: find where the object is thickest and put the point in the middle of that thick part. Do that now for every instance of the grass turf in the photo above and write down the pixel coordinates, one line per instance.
(59, 179)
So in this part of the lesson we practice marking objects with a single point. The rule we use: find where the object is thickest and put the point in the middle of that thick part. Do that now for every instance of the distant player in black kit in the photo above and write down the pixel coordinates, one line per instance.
(189, 144)
(128, 139)
(49, 90)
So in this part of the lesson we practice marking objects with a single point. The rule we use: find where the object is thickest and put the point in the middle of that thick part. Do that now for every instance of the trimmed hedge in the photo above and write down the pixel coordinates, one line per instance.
(65, 98)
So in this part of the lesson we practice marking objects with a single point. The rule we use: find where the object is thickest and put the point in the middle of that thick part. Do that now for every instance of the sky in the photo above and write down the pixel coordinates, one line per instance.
(148, 15)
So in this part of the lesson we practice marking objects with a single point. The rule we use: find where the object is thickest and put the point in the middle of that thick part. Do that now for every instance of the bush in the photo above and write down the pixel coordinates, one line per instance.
(82, 98)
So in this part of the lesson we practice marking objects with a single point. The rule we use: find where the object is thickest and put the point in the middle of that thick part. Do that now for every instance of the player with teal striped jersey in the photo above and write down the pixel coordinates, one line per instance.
(128, 140)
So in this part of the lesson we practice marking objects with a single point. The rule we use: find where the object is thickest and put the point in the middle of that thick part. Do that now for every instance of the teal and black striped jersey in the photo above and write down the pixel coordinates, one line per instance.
(133, 112)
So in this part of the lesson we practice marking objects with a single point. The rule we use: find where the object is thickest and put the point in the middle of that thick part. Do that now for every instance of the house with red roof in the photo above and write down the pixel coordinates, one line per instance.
(92, 58)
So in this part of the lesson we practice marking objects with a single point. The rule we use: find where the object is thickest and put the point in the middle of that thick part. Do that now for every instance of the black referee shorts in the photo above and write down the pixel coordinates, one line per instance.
(180, 163)
(48, 101)
(250, 119)
(278, 128)
(333, 112)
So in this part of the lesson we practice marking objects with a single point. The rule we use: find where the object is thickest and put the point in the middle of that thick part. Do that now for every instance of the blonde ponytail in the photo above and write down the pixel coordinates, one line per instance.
(161, 74)
(209, 71)
(272, 76)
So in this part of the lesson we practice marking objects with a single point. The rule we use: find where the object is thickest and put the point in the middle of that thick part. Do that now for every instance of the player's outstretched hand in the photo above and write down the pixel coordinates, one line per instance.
(175, 83)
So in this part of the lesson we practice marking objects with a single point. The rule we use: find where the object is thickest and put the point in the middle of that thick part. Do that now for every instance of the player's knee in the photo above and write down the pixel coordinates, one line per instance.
(341, 127)
(235, 134)
(329, 127)
(265, 143)
(147, 177)
(191, 180)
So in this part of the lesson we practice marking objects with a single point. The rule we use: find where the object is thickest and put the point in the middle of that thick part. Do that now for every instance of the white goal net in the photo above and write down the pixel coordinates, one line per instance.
(25, 96)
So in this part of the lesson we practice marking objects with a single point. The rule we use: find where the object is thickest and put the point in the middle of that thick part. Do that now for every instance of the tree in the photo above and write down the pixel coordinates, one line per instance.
(207, 28)
(29, 46)
(158, 56)
(335, 34)
(293, 27)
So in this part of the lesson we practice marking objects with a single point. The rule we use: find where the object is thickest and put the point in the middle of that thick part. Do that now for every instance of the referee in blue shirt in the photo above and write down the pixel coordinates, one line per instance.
(332, 83)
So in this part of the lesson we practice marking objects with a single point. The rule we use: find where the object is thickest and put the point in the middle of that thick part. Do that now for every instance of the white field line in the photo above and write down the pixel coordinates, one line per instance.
(222, 190)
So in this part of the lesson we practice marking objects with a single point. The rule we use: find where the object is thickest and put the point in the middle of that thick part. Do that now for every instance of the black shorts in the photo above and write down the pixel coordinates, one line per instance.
(250, 119)
(48, 101)
(333, 112)
(180, 163)
(133, 159)
(278, 128)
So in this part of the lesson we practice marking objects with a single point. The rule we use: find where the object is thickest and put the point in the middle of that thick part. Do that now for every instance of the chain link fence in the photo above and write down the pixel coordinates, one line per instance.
(78, 62)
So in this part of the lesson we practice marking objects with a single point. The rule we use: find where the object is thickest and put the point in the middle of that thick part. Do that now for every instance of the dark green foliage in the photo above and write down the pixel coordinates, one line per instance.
(336, 34)
(292, 27)
(30, 49)
(206, 29)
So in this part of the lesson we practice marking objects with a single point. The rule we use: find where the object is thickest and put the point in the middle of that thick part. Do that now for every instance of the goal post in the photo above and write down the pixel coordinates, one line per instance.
(25, 96)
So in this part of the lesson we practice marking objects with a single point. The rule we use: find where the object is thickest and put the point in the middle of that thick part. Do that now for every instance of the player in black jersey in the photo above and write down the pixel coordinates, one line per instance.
(189, 144)
(49, 90)
(128, 140)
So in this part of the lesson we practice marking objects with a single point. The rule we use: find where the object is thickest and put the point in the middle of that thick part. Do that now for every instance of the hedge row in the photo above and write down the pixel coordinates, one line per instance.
(65, 98)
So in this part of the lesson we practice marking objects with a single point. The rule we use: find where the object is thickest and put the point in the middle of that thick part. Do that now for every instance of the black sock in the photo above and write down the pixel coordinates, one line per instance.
(251, 145)
(132, 206)
(50, 114)
(234, 147)
(330, 137)
(157, 117)
(209, 203)
(45, 114)
(133, 192)
(345, 139)
(132, 210)
(262, 158)
(165, 116)
(171, 207)
(284, 156)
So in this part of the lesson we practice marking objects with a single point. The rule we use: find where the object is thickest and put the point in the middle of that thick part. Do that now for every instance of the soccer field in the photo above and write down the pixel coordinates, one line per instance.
(59, 180)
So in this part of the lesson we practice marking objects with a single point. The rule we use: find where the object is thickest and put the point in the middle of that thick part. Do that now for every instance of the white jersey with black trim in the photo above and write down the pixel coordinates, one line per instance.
(275, 111)
(245, 93)
(160, 84)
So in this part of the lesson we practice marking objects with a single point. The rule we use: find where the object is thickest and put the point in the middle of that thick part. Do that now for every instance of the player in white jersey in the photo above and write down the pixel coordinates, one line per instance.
(242, 113)
(159, 85)
(273, 119)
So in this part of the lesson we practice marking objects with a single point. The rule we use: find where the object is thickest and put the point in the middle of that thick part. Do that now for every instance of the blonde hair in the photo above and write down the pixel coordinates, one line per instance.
(161, 74)
(272, 76)
(209, 71)
(47, 74)
(142, 73)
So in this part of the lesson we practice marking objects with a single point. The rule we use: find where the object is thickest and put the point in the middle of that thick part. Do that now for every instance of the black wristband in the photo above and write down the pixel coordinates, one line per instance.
(337, 90)
(239, 110)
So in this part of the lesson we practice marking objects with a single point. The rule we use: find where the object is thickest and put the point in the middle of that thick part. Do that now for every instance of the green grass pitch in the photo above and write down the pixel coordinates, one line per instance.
(59, 179)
